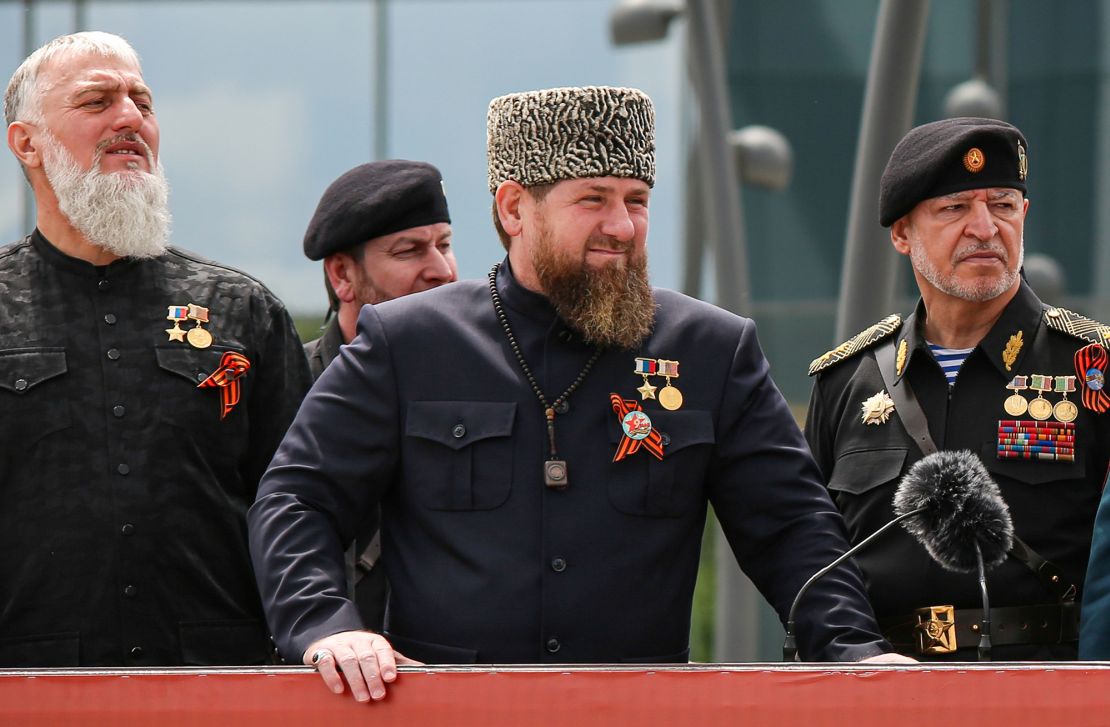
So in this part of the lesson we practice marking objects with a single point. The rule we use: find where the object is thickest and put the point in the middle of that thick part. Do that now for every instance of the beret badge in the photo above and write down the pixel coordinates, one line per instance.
(1023, 163)
(974, 161)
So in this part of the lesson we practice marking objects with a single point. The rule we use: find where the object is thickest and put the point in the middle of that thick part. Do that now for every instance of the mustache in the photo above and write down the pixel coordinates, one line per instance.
(612, 244)
(126, 136)
(964, 253)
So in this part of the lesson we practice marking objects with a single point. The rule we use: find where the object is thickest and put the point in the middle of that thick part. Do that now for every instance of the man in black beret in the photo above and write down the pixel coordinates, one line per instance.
(383, 231)
(980, 365)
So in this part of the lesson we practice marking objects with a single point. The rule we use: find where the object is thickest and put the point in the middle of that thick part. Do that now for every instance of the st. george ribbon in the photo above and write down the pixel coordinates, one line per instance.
(951, 505)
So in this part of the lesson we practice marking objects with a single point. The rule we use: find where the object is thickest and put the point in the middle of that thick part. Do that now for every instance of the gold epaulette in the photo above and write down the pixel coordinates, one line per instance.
(1073, 324)
(860, 342)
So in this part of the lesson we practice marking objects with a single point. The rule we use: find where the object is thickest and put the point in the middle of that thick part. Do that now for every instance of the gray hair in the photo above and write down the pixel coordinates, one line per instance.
(23, 99)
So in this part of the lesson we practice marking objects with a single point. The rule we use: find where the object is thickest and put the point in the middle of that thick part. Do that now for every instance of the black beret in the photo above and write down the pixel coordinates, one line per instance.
(949, 156)
(373, 200)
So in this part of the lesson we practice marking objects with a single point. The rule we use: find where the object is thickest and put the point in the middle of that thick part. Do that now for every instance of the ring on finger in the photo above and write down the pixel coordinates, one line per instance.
(320, 654)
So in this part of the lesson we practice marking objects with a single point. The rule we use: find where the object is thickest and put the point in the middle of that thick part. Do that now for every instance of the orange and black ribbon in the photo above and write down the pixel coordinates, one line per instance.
(232, 368)
(653, 442)
(1090, 367)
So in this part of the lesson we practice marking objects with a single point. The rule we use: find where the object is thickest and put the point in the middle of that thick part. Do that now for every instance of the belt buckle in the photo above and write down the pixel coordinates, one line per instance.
(935, 629)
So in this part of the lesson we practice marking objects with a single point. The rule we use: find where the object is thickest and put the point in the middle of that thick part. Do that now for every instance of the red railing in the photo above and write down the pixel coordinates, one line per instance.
(752, 695)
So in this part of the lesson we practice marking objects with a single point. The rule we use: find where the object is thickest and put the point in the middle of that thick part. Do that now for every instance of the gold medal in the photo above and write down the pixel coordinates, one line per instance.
(646, 367)
(1016, 405)
(199, 338)
(1065, 411)
(177, 313)
(1040, 408)
(669, 397)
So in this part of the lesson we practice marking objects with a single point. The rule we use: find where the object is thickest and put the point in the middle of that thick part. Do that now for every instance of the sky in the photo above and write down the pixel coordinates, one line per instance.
(263, 104)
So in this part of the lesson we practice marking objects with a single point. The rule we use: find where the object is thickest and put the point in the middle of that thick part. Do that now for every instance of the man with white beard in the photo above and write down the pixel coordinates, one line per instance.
(143, 392)
(981, 365)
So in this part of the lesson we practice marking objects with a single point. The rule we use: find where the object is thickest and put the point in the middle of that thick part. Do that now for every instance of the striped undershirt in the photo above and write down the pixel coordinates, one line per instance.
(950, 360)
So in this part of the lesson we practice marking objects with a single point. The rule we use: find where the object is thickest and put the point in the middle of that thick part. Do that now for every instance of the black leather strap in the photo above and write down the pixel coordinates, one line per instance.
(1041, 624)
(905, 403)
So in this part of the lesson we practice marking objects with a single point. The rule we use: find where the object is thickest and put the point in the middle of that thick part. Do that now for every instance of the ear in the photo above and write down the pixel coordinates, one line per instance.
(22, 143)
(899, 235)
(507, 198)
(339, 267)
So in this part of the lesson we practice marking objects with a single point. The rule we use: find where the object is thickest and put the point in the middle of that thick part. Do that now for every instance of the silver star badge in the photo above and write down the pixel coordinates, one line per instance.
(877, 409)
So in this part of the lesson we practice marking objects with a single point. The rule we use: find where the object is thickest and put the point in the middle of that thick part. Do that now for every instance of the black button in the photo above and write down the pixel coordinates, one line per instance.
(130, 591)
(104, 284)
(122, 469)
(136, 651)
(558, 565)
(459, 431)
(118, 410)
(562, 407)
(553, 646)
(21, 384)
(113, 353)
(666, 439)
(110, 319)
(566, 335)
(127, 529)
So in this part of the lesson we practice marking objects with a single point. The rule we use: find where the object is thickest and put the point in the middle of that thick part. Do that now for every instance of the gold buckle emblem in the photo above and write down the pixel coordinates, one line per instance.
(935, 630)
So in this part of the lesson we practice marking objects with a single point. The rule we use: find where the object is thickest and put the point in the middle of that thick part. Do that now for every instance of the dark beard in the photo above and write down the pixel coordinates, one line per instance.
(611, 306)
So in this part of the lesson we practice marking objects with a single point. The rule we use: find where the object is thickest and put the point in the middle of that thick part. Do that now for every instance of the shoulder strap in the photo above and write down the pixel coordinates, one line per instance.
(905, 403)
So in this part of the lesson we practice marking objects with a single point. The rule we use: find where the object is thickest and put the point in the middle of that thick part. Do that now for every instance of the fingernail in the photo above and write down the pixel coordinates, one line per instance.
(377, 693)
(337, 689)
(389, 674)
(363, 698)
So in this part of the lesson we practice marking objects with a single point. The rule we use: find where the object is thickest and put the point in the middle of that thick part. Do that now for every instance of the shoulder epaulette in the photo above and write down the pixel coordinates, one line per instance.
(1073, 324)
(859, 342)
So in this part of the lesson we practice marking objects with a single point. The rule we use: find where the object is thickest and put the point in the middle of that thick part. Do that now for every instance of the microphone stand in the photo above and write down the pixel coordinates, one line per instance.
(985, 636)
(789, 645)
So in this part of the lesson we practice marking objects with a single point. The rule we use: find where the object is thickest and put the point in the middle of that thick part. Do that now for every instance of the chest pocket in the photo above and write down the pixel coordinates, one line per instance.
(459, 454)
(32, 404)
(1035, 472)
(197, 411)
(642, 485)
(858, 472)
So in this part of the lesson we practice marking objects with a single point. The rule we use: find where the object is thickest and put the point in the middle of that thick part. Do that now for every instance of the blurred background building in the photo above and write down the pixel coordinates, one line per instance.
(263, 103)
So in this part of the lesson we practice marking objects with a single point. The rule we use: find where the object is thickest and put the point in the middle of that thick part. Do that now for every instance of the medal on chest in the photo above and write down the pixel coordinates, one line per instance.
(197, 336)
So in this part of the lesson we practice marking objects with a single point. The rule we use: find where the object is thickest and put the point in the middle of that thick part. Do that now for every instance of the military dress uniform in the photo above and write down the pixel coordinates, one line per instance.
(367, 582)
(126, 482)
(1052, 486)
(427, 411)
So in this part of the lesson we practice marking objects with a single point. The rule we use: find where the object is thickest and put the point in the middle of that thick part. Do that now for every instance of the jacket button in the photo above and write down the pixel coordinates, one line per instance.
(562, 407)
(127, 529)
(113, 353)
(21, 384)
(110, 319)
(122, 468)
(130, 591)
(118, 410)
(201, 376)
(459, 431)
(553, 646)
(665, 438)
(104, 284)
(136, 651)
(558, 565)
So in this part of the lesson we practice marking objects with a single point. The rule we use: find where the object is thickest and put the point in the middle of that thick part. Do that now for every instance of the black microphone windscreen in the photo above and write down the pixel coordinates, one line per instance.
(963, 505)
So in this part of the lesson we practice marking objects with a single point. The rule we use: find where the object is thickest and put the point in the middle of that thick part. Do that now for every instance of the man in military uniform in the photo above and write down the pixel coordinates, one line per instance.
(980, 365)
(383, 231)
(545, 443)
(143, 392)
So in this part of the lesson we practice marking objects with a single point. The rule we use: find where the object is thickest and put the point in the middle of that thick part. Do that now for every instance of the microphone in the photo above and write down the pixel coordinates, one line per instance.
(953, 507)
(961, 519)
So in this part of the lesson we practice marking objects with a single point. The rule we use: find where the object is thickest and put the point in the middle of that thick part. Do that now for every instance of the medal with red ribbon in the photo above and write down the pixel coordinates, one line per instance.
(233, 366)
(637, 428)
(1090, 368)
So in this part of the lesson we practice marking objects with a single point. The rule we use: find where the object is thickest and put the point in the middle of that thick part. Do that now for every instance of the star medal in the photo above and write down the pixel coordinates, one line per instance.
(637, 428)
(1016, 404)
(877, 409)
(1090, 368)
(177, 313)
(1065, 411)
(1039, 408)
(646, 367)
(233, 366)
(669, 396)
(198, 337)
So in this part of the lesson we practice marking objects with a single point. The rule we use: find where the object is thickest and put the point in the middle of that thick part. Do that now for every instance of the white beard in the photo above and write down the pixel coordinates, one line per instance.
(126, 214)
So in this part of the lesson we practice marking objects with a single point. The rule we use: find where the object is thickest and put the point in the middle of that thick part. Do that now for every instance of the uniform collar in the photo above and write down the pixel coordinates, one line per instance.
(522, 300)
(330, 341)
(60, 260)
(1005, 345)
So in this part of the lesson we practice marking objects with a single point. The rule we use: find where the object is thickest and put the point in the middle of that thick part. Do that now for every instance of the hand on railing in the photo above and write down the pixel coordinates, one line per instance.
(366, 659)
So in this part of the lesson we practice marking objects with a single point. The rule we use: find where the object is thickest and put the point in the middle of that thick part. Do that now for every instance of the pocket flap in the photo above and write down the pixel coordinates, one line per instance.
(680, 429)
(859, 472)
(194, 364)
(1032, 471)
(458, 424)
(21, 370)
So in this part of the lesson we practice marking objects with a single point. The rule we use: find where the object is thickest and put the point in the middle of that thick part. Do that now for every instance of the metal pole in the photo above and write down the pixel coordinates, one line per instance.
(869, 277)
(721, 188)
(381, 79)
(27, 198)
(80, 16)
